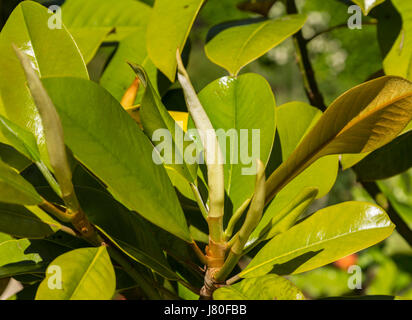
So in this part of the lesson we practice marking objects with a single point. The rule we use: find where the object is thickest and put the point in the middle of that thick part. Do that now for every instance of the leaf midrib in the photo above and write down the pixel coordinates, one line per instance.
(318, 150)
(91, 265)
(312, 245)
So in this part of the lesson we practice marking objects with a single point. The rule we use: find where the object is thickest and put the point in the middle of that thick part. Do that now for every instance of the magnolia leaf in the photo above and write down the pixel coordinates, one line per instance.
(53, 132)
(86, 274)
(154, 116)
(21, 139)
(388, 161)
(121, 17)
(244, 108)
(15, 189)
(128, 231)
(107, 141)
(13, 251)
(286, 218)
(118, 76)
(268, 287)
(26, 222)
(363, 119)
(326, 236)
(236, 47)
(398, 60)
(303, 117)
(168, 30)
(52, 52)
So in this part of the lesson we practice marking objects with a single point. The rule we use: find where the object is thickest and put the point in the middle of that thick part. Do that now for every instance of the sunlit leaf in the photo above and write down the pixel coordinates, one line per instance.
(108, 141)
(52, 52)
(86, 274)
(235, 47)
(168, 29)
(327, 235)
(361, 120)
(268, 287)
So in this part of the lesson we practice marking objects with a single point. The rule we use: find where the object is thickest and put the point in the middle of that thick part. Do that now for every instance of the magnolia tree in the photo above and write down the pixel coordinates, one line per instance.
(105, 193)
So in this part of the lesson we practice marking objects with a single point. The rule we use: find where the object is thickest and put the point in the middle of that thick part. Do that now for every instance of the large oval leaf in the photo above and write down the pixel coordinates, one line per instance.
(235, 47)
(241, 104)
(128, 231)
(398, 61)
(154, 116)
(15, 189)
(268, 287)
(388, 161)
(168, 30)
(21, 139)
(86, 274)
(122, 17)
(303, 117)
(361, 120)
(329, 234)
(118, 76)
(13, 251)
(30, 222)
(53, 52)
(107, 141)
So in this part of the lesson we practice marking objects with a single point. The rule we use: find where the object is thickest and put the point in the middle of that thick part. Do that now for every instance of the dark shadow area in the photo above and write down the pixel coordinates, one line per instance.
(290, 266)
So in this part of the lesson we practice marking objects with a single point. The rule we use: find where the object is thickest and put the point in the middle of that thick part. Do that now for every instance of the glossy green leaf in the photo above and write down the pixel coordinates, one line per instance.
(123, 21)
(267, 287)
(15, 189)
(118, 76)
(53, 133)
(52, 51)
(107, 141)
(25, 143)
(303, 117)
(388, 161)
(127, 230)
(13, 251)
(326, 236)
(168, 30)
(349, 160)
(241, 107)
(327, 281)
(367, 5)
(26, 222)
(86, 274)
(361, 120)
(398, 60)
(154, 116)
(89, 40)
(13, 158)
(21, 139)
(121, 17)
(285, 218)
(235, 47)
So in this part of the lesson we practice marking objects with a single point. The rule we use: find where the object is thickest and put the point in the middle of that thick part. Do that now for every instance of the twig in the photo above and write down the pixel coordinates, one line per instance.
(305, 66)
(339, 26)
(316, 99)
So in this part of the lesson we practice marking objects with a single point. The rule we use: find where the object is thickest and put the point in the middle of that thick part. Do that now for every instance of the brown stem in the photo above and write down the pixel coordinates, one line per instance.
(308, 74)
(316, 99)
(339, 26)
